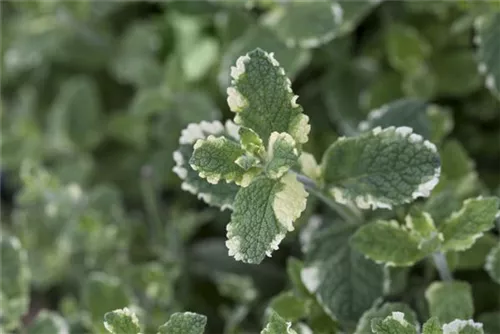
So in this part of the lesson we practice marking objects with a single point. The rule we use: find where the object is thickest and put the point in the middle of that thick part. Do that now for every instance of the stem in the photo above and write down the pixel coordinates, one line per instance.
(343, 211)
(442, 266)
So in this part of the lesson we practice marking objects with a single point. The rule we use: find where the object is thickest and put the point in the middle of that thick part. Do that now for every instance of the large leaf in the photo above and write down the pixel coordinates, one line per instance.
(381, 168)
(450, 300)
(345, 282)
(221, 194)
(488, 51)
(263, 213)
(262, 97)
(184, 323)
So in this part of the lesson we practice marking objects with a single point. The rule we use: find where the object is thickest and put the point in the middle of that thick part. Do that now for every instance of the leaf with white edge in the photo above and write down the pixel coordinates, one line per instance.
(388, 242)
(215, 158)
(289, 306)
(309, 166)
(393, 324)
(404, 112)
(122, 321)
(49, 322)
(14, 285)
(450, 300)
(184, 323)
(492, 264)
(383, 311)
(262, 98)
(220, 195)
(487, 38)
(263, 213)
(251, 142)
(277, 325)
(463, 227)
(432, 326)
(381, 168)
(423, 224)
(458, 326)
(281, 154)
(345, 283)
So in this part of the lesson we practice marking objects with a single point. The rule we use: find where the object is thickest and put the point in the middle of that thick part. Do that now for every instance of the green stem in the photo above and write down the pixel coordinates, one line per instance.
(343, 211)
(442, 266)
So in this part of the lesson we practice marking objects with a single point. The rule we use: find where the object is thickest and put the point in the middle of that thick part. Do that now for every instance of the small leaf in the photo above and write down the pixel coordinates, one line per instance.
(492, 265)
(450, 300)
(48, 322)
(441, 123)
(383, 311)
(458, 326)
(309, 166)
(344, 282)
(220, 195)
(251, 142)
(388, 242)
(263, 213)
(277, 325)
(406, 48)
(262, 97)
(184, 323)
(432, 326)
(281, 155)
(487, 37)
(381, 168)
(462, 228)
(289, 306)
(393, 324)
(122, 321)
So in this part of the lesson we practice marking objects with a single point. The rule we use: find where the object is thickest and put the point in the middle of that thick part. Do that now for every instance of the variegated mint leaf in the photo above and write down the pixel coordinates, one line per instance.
(458, 326)
(423, 224)
(432, 326)
(251, 142)
(262, 97)
(215, 158)
(388, 242)
(381, 168)
(220, 195)
(122, 321)
(48, 322)
(393, 324)
(309, 166)
(383, 311)
(282, 154)
(487, 38)
(344, 281)
(277, 325)
(463, 227)
(311, 24)
(262, 214)
(184, 323)
(450, 300)
(492, 264)
(404, 112)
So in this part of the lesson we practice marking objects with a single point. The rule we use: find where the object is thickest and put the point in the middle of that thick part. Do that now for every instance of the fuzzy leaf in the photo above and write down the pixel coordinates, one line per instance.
(122, 321)
(393, 324)
(432, 326)
(383, 311)
(488, 40)
(381, 168)
(462, 228)
(263, 213)
(184, 323)
(458, 326)
(262, 97)
(251, 142)
(388, 242)
(49, 322)
(450, 300)
(281, 155)
(220, 195)
(277, 325)
(492, 265)
(345, 283)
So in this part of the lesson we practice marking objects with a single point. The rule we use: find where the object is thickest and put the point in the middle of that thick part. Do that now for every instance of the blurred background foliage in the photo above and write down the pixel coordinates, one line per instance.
(96, 93)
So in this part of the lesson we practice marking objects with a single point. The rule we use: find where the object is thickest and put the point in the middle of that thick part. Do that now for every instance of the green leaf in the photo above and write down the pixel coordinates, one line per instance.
(293, 268)
(263, 213)
(215, 158)
(14, 286)
(406, 48)
(432, 326)
(251, 142)
(383, 311)
(277, 325)
(450, 300)
(403, 112)
(487, 37)
(474, 258)
(345, 283)
(122, 321)
(458, 326)
(262, 97)
(393, 324)
(289, 306)
(220, 195)
(381, 168)
(441, 122)
(388, 242)
(463, 227)
(490, 321)
(281, 155)
(48, 322)
(184, 323)
(492, 264)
